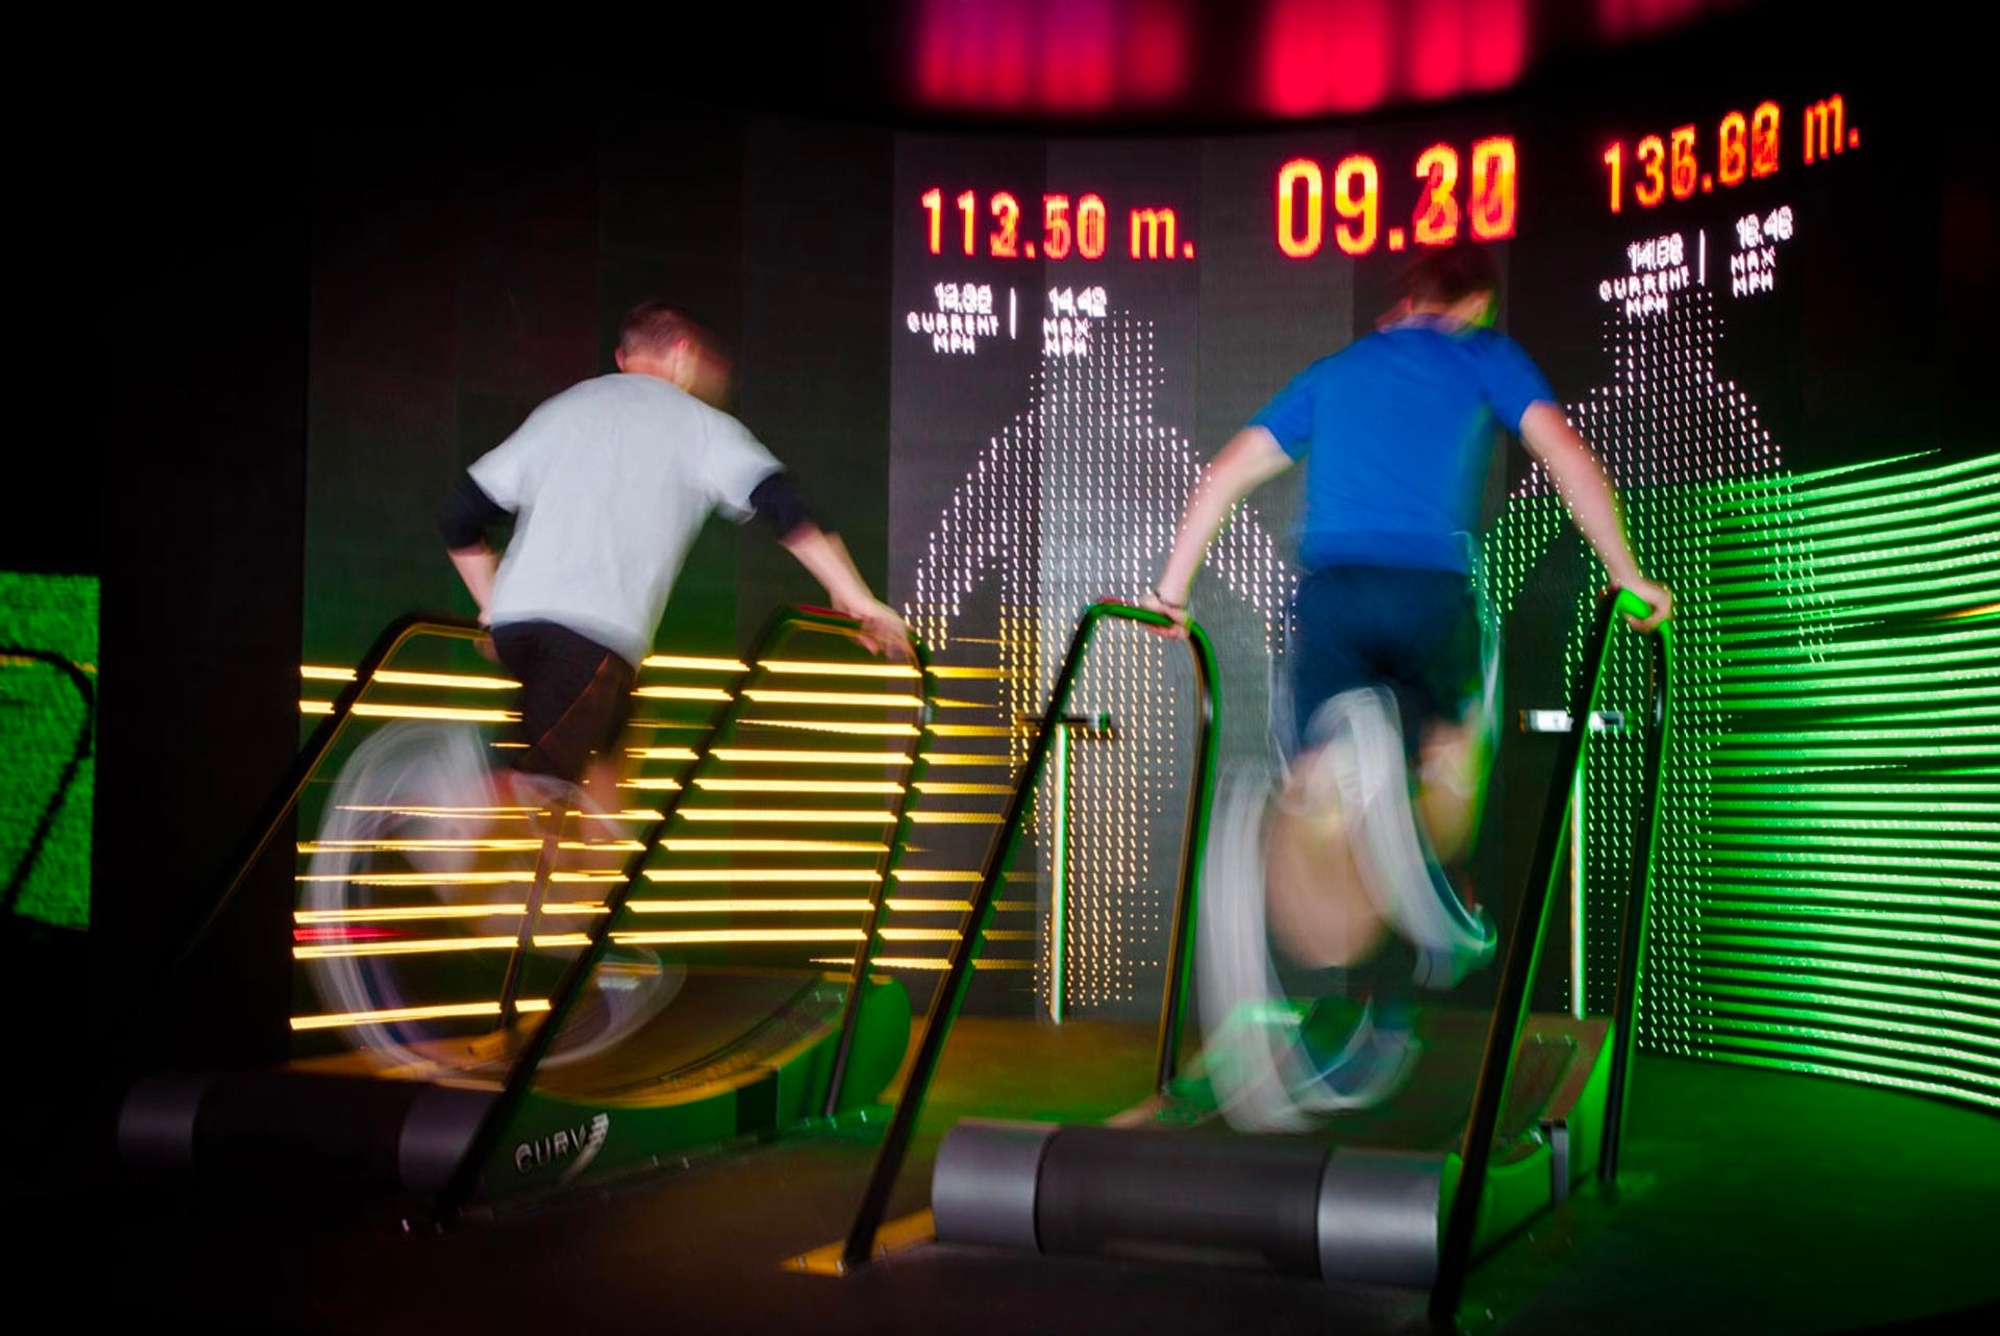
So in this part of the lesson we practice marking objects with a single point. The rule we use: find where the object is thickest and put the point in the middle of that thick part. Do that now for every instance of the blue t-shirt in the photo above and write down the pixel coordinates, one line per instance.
(1399, 427)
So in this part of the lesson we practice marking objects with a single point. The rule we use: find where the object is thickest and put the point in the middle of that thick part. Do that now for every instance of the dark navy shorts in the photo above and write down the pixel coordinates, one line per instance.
(1415, 632)
(575, 696)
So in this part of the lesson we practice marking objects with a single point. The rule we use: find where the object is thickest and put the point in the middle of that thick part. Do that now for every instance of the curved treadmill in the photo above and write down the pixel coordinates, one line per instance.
(737, 1054)
(1363, 1200)
(1517, 1107)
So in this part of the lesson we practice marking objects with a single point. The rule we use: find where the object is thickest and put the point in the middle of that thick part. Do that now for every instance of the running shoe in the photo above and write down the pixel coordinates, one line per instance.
(1249, 1027)
(1370, 1065)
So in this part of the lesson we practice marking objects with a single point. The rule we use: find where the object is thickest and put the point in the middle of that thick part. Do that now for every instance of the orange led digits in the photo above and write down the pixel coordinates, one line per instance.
(1438, 214)
(1077, 228)
(1091, 216)
(1357, 197)
(1746, 148)
(1493, 189)
(1291, 240)
(1436, 219)
(1006, 238)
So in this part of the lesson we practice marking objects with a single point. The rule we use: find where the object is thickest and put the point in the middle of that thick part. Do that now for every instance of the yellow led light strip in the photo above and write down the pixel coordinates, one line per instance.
(450, 1011)
(773, 906)
(778, 756)
(829, 816)
(660, 753)
(420, 913)
(834, 726)
(697, 936)
(493, 813)
(774, 846)
(969, 730)
(711, 695)
(726, 876)
(395, 678)
(839, 669)
(651, 785)
(421, 947)
(366, 710)
(927, 963)
(795, 815)
(834, 786)
(764, 696)
(623, 815)
(488, 846)
(573, 940)
(800, 785)
(519, 876)
(692, 664)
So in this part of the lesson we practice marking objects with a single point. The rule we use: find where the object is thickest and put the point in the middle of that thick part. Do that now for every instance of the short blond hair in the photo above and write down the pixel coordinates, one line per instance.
(653, 327)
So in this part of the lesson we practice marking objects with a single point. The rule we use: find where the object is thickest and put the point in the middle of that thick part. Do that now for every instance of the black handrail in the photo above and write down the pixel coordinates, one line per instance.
(945, 1003)
(285, 796)
(886, 865)
(1517, 972)
(79, 752)
(457, 1192)
(555, 815)
(1632, 938)
(1194, 840)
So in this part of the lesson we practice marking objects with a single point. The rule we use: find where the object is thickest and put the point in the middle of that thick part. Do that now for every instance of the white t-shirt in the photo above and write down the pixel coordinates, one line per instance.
(609, 482)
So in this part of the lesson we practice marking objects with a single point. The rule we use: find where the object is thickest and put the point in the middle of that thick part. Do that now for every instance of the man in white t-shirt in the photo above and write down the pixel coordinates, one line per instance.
(608, 483)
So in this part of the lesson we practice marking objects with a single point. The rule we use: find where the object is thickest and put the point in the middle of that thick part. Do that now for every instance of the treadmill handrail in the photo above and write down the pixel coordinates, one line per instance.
(1638, 901)
(458, 1189)
(286, 793)
(886, 865)
(950, 995)
(1524, 947)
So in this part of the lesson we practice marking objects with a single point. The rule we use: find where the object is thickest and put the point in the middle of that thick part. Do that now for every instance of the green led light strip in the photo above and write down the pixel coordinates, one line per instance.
(1874, 989)
(1827, 898)
(41, 711)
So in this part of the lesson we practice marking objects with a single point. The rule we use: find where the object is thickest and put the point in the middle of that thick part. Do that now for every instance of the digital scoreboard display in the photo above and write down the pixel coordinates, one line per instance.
(1079, 324)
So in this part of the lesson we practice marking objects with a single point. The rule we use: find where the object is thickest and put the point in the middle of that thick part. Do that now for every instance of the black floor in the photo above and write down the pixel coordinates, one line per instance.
(1754, 1201)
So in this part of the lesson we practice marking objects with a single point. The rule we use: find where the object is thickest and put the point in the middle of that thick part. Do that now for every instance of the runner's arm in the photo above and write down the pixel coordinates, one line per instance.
(1593, 504)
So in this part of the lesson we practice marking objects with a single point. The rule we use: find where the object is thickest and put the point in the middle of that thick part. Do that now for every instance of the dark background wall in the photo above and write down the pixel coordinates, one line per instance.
(473, 263)
(161, 297)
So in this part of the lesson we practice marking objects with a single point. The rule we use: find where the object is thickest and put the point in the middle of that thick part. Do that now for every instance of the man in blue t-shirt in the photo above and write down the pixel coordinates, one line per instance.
(1396, 431)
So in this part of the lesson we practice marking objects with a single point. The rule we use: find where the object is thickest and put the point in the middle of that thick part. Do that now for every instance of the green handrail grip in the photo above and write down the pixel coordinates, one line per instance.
(1521, 962)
